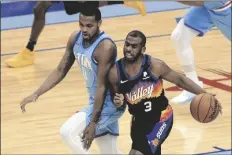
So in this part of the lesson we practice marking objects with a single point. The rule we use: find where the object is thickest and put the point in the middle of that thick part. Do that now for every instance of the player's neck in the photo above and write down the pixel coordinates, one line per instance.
(138, 61)
(133, 67)
(90, 41)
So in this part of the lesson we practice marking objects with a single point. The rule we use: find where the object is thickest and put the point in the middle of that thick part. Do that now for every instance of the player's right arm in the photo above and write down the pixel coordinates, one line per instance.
(57, 74)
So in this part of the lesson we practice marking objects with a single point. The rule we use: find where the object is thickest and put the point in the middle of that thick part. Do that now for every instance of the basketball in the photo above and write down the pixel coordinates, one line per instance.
(204, 108)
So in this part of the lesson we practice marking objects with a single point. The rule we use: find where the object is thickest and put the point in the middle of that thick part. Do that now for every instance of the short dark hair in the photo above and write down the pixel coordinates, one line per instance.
(137, 33)
(89, 10)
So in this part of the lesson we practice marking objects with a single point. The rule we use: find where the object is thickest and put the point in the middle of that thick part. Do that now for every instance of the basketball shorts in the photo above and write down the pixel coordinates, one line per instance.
(74, 7)
(108, 123)
(202, 19)
(221, 17)
(150, 143)
(198, 18)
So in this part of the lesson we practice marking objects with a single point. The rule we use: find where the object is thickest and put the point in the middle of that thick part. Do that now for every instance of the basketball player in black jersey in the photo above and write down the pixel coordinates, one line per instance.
(138, 77)
(26, 56)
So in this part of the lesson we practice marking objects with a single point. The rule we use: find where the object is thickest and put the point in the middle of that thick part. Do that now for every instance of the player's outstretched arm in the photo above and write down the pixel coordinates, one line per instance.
(166, 73)
(56, 76)
(162, 70)
(105, 56)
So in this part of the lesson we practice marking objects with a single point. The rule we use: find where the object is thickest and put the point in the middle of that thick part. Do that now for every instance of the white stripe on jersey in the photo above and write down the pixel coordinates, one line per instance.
(226, 6)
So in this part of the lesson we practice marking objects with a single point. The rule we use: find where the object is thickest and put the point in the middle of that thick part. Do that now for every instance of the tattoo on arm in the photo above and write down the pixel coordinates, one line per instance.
(60, 72)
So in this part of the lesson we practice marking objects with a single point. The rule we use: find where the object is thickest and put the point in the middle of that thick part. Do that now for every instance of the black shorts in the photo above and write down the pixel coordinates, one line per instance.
(149, 143)
(74, 7)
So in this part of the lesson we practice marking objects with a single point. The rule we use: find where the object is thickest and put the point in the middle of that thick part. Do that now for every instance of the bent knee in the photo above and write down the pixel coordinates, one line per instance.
(74, 125)
(183, 34)
(175, 36)
(182, 37)
(65, 131)
(177, 39)
(178, 34)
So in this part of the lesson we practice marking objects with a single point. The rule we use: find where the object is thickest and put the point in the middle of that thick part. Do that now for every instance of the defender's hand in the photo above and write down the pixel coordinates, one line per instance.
(29, 99)
(88, 135)
(118, 100)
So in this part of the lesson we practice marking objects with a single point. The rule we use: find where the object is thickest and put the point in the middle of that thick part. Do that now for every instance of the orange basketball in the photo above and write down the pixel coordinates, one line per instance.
(204, 108)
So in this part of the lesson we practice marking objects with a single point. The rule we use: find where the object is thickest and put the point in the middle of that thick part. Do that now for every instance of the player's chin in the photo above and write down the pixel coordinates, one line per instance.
(129, 57)
(85, 37)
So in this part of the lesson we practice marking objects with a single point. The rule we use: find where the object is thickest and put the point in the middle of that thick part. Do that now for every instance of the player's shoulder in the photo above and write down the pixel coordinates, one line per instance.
(106, 48)
(157, 66)
(73, 36)
(75, 33)
(106, 41)
(156, 61)
(72, 39)
(107, 44)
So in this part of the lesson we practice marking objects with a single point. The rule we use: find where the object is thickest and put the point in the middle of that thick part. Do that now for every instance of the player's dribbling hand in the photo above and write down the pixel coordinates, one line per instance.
(29, 99)
(216, 101)
(118, 100)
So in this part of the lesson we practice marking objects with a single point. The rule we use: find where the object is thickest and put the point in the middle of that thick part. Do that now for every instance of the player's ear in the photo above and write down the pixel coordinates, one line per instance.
(99, 23)
(143, 49)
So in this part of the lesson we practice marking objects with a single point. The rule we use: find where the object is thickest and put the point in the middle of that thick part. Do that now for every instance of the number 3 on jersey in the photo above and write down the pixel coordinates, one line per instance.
(147, 106)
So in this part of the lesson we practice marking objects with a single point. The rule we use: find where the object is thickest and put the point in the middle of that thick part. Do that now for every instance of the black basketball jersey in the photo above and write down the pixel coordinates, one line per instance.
(143, 93)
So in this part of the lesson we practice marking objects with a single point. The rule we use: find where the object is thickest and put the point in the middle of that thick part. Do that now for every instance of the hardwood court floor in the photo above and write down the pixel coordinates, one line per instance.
(37, 131)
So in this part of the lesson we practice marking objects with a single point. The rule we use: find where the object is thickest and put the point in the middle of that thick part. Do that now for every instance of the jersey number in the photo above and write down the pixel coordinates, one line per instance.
(147, 106)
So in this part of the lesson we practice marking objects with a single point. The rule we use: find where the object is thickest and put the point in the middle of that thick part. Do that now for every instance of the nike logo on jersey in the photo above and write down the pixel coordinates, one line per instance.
(124, 81)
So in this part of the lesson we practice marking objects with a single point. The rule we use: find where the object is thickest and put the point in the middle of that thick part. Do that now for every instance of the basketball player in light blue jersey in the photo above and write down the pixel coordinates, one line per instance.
(95, 53)
(200, 18)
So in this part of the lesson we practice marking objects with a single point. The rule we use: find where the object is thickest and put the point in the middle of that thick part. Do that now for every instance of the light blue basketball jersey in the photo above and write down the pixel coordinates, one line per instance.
(213, 13)
(88, 64)
(108, 123)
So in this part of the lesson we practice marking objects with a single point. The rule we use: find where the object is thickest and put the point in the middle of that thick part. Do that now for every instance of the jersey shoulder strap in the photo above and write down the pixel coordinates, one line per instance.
(120, 69)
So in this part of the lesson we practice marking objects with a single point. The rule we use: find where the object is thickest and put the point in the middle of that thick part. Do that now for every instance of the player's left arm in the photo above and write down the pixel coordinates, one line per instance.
(105, 56)
(166, 73)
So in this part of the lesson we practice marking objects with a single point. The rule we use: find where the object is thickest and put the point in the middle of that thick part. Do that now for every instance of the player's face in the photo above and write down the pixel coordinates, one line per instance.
(89, 26)
(132, 48)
